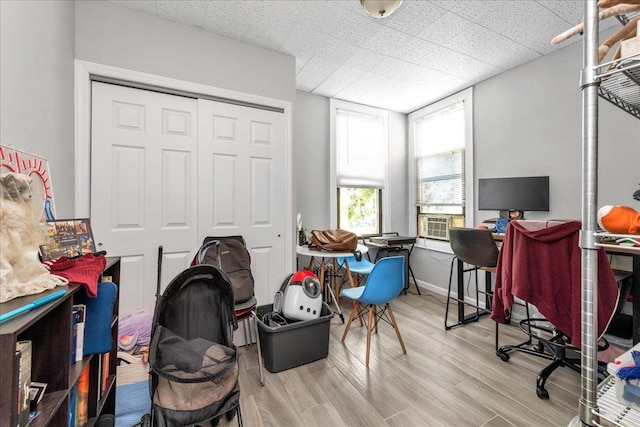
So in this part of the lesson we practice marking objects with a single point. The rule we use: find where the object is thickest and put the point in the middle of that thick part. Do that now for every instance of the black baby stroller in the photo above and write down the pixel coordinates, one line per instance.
(193, 361)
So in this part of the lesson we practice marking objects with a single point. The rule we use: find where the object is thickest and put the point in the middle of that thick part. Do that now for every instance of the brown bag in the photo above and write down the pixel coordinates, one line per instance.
(334, 240)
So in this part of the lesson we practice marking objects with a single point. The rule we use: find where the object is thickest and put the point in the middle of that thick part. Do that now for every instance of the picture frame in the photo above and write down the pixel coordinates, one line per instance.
(67, 237)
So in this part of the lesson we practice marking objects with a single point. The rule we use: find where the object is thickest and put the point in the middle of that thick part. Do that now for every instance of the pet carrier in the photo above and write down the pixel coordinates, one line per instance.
(193, 361)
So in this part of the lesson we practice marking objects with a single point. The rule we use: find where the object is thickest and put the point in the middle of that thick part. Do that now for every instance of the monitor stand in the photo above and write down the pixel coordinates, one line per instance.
(512, 214)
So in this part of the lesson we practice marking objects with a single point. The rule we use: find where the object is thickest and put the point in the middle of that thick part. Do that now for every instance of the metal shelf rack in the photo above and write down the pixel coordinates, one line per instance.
(611, 411)
(619, 83)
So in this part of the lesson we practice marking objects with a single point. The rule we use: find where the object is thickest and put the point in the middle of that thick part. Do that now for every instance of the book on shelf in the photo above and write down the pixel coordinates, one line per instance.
(36, 391)
(75, 318)
(73, 402)
(82, 398)
(82, 310)
(104, 379)
(22, 366)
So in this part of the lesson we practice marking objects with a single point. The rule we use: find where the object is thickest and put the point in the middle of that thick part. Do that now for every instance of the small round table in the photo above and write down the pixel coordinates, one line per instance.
(333, 255)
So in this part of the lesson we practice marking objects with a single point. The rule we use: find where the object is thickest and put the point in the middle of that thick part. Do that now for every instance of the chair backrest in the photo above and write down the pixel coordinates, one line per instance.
(385, 282)
(363, 266)
(474, 246)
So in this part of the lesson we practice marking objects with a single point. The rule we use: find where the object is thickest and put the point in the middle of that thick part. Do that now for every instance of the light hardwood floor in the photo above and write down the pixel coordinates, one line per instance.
(447, 378)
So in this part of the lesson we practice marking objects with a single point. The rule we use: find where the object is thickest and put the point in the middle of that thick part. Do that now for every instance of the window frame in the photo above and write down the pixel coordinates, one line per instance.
(334, 105)
(465, 96)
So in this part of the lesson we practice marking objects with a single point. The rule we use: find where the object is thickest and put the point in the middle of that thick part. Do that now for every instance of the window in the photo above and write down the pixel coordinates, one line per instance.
(359, 158)
(440, 136)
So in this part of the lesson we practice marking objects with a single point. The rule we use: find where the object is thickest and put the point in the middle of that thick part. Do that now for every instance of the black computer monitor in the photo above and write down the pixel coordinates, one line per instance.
(512, 196)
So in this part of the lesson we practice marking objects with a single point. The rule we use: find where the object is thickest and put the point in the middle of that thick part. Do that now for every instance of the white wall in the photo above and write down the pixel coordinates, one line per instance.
(311, 159)
(311, 163)
(528, 121)
(40, 39)
(36, 87)
(113, 35)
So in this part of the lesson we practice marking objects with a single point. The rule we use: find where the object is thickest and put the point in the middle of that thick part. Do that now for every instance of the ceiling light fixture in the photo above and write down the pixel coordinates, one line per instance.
(380, 8)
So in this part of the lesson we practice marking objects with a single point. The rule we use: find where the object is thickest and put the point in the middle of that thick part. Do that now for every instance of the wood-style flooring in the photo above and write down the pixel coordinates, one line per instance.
(447, 378)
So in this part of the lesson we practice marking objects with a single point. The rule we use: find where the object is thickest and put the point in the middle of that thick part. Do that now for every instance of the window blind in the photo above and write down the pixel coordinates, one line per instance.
(360, 156)
(440, 145)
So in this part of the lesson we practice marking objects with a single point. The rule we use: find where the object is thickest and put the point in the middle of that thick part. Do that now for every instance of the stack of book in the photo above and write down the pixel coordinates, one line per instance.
(22, 369)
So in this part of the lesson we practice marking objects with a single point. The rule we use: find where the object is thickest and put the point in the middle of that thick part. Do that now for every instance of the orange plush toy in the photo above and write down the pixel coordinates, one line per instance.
(619, 219)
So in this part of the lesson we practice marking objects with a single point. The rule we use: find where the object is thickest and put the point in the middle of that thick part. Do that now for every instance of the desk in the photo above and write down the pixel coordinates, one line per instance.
(333, 255)
(394, 241)
(634, 253)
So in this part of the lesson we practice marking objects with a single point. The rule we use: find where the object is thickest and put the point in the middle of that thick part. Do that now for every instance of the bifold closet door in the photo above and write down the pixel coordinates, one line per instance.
(143, 185)
(241, 181)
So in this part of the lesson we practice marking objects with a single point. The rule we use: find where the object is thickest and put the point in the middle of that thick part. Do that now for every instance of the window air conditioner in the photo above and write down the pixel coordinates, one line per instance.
(436, 226)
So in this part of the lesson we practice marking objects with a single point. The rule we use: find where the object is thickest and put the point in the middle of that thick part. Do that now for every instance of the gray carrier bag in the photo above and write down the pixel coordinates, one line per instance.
(231, 256)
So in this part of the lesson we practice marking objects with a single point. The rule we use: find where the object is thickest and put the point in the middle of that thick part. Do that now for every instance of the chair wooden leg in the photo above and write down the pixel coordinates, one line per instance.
(375, 316)
(395, 326)
(353, 314)
(369, 327)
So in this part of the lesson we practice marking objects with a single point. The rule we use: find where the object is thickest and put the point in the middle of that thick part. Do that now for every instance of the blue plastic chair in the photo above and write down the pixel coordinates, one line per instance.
(385, 282)
(360, 268)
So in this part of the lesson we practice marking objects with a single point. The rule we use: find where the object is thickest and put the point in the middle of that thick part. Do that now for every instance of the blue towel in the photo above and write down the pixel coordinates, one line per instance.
(97, 326)
(132, 402)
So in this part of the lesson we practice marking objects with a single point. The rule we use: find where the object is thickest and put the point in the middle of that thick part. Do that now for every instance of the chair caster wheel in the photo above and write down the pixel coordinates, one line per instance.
(542, 393)
(540, 347)
(503, 356)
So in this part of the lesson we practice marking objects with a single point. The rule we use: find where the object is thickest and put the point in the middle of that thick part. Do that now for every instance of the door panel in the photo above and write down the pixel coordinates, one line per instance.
(143, 163)
(242, 188)
(169, 171)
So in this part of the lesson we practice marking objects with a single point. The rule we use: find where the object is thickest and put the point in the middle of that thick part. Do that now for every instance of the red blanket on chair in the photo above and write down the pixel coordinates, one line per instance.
(542, 265)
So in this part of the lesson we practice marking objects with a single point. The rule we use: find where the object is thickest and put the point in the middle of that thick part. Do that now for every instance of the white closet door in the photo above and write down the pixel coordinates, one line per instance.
(143, 185)
(241, 185)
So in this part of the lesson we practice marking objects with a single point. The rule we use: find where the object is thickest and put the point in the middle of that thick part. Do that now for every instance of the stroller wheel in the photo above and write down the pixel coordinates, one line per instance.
(145, 421)
(230, 415)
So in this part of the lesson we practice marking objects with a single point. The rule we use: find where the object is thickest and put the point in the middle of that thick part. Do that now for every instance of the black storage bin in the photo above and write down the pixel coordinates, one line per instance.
(397, 251)
(288, 346)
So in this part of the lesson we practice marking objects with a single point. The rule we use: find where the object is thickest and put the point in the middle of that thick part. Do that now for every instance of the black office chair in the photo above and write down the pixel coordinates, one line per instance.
(476, 248)
(547, 340)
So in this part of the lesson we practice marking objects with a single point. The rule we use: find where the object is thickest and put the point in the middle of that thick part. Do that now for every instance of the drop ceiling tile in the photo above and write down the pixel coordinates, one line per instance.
(468, 9)
(388, 41)
(364, 59)
(189, 12)
(344, 20)
(302, 59)
(306, 39)
(146, 6)
(457, 64)
(352, 92)
(570, 11)
(230, 19)
(421, 53)
(276, 10)
(314, 73)
(372, 79)
(516, 22)
(415, 50)
(493, 48)
(338, 81)
(412, 17)
(262, 31)
(445, 28)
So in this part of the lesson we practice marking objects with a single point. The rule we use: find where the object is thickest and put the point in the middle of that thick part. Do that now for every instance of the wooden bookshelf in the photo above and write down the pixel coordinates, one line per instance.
(49, 329)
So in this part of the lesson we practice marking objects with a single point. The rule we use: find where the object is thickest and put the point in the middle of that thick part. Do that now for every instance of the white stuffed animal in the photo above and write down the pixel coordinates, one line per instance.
(21, 272)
